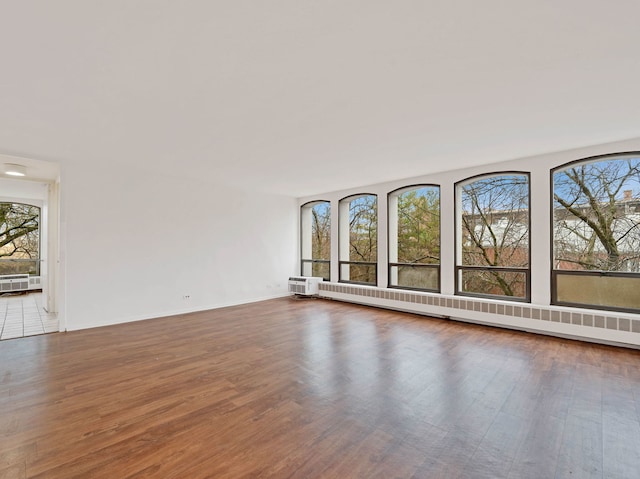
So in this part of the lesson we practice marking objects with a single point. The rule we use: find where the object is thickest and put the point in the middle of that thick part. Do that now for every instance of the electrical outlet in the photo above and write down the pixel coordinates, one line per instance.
(186, 296)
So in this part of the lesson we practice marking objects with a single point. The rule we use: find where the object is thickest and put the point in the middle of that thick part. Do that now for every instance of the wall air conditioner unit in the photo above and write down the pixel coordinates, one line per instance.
(304, 285)
(34, 283)
(14, 282)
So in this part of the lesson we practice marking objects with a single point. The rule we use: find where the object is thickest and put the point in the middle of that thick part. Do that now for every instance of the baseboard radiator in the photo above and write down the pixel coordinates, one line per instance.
(590, 325)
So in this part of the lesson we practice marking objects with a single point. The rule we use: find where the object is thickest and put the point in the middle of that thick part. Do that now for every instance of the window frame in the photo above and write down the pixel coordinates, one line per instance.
(342, 262)
(303, 261)
(438, 267)
(554, 273)
(459, 268)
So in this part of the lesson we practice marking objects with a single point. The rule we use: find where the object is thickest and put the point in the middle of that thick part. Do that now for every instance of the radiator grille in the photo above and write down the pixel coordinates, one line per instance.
(297, 288)
(13, 285)
(579, 318)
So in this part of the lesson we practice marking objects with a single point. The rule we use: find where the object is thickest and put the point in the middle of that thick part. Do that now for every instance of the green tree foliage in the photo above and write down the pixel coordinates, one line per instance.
(417, 239)
(419, 226)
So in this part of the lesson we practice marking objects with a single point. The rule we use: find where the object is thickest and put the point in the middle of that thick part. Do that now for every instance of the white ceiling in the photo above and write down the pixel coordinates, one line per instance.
(300, 97)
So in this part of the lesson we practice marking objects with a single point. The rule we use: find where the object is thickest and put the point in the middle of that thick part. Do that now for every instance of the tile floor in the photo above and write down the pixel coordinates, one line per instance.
(22, 315)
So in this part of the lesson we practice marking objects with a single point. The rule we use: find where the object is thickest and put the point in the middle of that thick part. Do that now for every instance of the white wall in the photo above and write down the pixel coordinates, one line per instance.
(134, 243)
(22, 190)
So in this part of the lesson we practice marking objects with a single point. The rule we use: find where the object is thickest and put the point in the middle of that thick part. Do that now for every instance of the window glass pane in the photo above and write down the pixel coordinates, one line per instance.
(498, 283)
(495, 221)
(419, 226)
(363, 229)
(597, 216)
(494, 233)
(315, 235)
(359, 273)
(321, 231)
(19, 239)
(321, 270)
(605, 291)
(422, 277)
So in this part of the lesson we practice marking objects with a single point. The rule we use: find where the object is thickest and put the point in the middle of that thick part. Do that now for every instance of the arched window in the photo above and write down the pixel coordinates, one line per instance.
(596, 233)
(19, 239)
(492, 248)
(358, 223)
(414, 238)
(315, 235)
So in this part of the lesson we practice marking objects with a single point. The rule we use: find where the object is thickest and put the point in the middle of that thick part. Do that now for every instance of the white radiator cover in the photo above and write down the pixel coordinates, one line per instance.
(608, 327)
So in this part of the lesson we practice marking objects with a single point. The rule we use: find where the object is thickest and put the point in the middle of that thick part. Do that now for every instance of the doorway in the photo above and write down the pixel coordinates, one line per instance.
(29, 261)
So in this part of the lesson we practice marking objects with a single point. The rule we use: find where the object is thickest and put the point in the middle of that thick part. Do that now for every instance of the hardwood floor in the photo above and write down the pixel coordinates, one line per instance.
(315, 389)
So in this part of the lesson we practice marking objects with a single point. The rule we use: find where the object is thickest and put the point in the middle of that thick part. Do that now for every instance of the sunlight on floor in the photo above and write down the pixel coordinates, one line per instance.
(22, 315)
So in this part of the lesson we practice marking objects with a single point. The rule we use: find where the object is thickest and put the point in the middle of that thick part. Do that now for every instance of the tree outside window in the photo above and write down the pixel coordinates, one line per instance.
(359, 257)
(596, 232)
(493, 257)
(316, 239)
(414, 239)
(19, 239)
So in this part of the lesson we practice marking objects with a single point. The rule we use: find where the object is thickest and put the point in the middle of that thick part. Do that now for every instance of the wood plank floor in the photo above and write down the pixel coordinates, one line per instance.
(315, 389)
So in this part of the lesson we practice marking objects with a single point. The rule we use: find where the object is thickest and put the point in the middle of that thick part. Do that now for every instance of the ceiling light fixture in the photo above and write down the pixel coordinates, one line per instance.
(12, 169)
